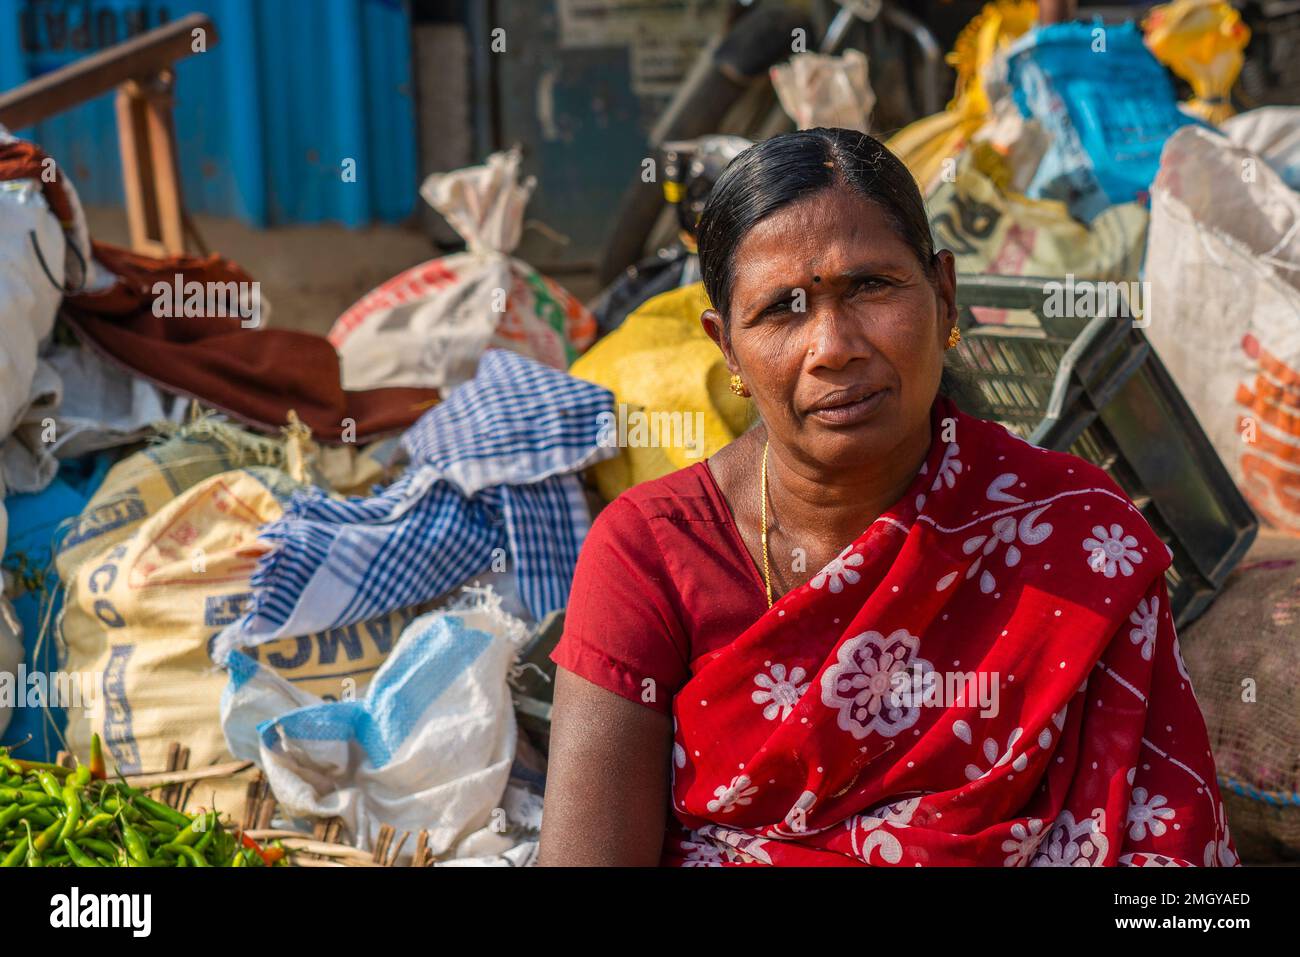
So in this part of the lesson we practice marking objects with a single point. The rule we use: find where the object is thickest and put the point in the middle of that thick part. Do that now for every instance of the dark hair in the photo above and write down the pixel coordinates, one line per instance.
(771, 175)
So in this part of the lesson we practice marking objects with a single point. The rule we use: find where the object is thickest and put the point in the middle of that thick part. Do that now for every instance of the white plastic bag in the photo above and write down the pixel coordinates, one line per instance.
(429, 747)
(428, 326)
(34, 261)
(819, 90)
(1223, 263)
(80, 404)
(29, 300)
(1274, 133)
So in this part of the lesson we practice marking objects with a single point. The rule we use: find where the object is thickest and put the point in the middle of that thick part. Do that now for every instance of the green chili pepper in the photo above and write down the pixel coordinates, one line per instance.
(26, 796)
(79, 857)
(9, 815)
(168, 831)
(95, 824)
(237, 860)
(135, 844)
(162, 812)
(57, 770)
(193, 856)
(81, 776)
(48, 836)
(99, 847)
(190, 835)
(17, 854)
(50, 784)
(116, 805)
(206, 840)
(72, 800)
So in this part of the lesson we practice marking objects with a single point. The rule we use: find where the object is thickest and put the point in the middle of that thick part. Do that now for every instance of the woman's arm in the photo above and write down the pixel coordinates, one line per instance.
(608, 779)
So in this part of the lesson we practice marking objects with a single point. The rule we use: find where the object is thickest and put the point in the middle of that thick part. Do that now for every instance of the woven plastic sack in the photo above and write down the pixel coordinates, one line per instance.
(1108, 105)
(30, 298)
(429, 747)
(1243, 659)
(158, 562)
(992, 231)
(428, 326)
(1224, 297)
(1274, 133)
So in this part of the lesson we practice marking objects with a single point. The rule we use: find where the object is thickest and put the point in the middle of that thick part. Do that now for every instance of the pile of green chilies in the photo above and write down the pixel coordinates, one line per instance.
(51, 816)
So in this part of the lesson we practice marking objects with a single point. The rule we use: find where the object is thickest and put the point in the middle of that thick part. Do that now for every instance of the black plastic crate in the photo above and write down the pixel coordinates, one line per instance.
(1095, 388)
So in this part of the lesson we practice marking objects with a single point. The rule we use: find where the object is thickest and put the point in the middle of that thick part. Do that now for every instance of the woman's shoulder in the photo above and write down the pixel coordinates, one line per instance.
(1004, 450)
(1009, 471)
(686, 495)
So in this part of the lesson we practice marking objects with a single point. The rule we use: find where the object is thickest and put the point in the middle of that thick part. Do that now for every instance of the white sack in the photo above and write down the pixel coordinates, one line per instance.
(1223, 264)
(429, 747)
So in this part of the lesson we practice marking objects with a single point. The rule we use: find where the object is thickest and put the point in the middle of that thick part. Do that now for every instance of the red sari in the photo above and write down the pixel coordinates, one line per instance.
(988, 676)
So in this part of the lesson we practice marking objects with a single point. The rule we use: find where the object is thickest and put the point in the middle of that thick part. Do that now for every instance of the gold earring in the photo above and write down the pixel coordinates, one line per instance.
(954, 337)
(738, 387)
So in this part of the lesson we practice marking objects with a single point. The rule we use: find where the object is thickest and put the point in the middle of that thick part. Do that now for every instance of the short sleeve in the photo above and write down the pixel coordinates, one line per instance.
(622, 627)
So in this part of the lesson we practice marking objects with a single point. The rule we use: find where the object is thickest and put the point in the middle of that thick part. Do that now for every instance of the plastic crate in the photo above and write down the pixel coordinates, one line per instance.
(1095, 388)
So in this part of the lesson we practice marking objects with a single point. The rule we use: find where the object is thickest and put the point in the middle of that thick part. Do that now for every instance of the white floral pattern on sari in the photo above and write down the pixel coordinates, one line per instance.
(860, 684)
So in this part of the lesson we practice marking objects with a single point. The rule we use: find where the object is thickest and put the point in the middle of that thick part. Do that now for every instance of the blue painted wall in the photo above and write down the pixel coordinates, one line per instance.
(264, 119)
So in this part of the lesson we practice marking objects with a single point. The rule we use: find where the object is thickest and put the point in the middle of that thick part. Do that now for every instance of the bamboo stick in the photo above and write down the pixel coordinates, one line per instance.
(164, 778)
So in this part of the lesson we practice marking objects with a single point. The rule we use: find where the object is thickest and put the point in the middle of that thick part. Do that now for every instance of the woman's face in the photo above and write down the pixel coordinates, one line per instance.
(836, 329)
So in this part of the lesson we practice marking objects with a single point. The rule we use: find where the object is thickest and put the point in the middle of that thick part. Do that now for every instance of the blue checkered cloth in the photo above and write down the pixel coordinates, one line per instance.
(491, 479)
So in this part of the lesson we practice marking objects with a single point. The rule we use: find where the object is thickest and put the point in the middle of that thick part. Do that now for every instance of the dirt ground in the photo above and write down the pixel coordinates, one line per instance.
(311, 274)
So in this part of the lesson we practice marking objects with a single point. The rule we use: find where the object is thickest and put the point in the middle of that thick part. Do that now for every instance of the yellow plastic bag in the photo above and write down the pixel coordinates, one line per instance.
(662, 367)
(1202, 41)
(924, 145)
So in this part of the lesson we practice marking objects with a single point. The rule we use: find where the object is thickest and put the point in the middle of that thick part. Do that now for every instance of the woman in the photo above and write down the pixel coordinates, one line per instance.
(873, 629)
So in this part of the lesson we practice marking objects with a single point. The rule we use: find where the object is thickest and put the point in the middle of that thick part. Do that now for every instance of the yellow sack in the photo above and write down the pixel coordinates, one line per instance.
(1202, 41)
(991, 231)
(140, 613)
(673, 404)
(141, 484)
(924, 145)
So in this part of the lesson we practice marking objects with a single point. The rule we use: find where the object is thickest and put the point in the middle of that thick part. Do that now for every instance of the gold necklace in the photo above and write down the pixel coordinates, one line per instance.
(767, 574)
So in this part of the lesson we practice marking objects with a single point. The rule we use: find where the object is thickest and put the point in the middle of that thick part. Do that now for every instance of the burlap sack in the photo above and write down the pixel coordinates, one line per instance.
(1243, 656)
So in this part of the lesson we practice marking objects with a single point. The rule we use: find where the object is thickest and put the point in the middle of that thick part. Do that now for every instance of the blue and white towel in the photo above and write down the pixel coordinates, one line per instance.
(491, 477)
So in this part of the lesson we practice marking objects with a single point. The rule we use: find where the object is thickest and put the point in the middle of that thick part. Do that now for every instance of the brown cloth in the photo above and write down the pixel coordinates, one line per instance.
(253, 375)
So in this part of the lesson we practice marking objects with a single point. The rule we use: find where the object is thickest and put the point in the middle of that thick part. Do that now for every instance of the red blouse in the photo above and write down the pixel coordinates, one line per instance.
(662, 580)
